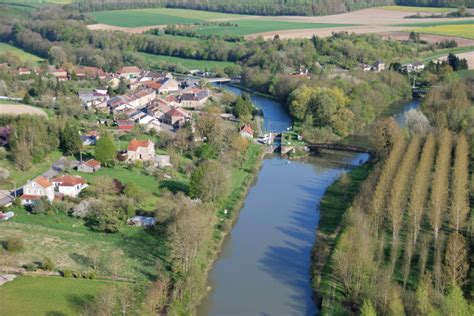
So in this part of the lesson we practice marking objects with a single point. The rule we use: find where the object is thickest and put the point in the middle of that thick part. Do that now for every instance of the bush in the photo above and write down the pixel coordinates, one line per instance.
(76, 274)
(13, 244)
(47, 264)
(67, 274)
(92, 275)
(31, 267)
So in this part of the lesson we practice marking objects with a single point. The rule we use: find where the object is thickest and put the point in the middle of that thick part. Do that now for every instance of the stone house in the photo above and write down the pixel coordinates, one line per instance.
(140, 150)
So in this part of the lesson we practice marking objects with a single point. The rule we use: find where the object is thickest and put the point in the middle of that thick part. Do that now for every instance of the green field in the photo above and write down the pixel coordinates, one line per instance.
(189, 64)
(47, 295)
(160, 16)
(246, 27)
(462, 30)
(440, 23)
(24, 56)
(417, 9)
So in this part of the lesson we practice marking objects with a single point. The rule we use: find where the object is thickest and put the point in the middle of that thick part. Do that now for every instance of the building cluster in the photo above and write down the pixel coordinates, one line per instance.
(155, 100)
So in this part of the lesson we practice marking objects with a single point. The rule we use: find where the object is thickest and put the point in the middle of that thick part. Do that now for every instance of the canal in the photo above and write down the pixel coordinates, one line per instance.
(264, 265)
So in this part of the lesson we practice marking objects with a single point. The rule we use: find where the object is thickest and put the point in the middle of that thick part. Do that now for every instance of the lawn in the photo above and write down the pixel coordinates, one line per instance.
(160, 16)
(417, 9)
(47, 295)
(24, 56)
(462, 30)
(185, 62)
(19, 177)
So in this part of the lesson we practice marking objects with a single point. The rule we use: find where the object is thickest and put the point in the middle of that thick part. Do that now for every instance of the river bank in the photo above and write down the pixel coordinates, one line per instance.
(227, 213)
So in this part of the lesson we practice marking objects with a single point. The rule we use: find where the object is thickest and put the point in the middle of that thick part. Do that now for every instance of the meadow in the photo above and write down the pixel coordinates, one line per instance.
(24, 56)
(160, 16)
(48, 295)
(189, 64)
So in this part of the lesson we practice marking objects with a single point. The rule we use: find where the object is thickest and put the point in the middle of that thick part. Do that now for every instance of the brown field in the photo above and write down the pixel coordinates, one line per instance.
(131, 30)
(18, 109)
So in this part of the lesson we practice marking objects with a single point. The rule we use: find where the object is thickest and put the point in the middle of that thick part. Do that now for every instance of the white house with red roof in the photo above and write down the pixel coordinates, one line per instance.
(140, 150)
(69, 185)
(246, 131)
(36, 189)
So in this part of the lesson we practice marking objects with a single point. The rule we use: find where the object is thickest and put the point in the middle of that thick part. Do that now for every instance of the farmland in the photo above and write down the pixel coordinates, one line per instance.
(417, 9)
(48, 295)
(24, 56)
(19, 109)
(187, 63)
(461, 30)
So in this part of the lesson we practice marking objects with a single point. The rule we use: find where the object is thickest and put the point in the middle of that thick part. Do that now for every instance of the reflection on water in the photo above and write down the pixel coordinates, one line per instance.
(265, 262)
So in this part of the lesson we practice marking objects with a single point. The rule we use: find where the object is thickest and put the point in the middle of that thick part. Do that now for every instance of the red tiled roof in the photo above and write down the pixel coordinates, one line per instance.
(68, 180)
(129, 69)
(247, 129)
(43, 181)
(135, 144)
(152, 84)
(175, 112)
(30, 197)
(92, 163)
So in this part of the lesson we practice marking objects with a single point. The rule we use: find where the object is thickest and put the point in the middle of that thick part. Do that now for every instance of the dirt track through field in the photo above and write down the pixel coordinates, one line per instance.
(18, 109)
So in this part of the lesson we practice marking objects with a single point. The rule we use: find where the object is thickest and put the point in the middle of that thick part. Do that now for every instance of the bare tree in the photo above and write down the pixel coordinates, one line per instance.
(455, 261)
(460, 190)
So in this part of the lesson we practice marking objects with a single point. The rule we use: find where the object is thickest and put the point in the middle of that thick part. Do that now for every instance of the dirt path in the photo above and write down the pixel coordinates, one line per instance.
(18, 109)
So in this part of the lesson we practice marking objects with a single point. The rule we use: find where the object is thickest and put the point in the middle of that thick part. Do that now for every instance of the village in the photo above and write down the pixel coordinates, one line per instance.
(153, 103)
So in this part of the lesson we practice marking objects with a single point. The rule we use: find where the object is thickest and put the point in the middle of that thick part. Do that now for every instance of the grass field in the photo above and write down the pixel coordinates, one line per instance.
(24, 56)
(417, 9)
(67, 241)
(440, 23)
(246, 27)
(462, 30)
(187, 63)
(160, 16)
(28, 296)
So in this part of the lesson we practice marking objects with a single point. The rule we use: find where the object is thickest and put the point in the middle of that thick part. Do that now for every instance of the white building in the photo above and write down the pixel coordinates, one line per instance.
(36, 189)
(68, 185)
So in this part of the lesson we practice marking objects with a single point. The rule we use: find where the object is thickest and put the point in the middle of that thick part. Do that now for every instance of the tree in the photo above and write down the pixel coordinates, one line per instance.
(133, 191)
(455, 261)
(243, 106)
(460, 185)
(422, 296)
(454, 304)
(105, 150)
(209, 182)
(94, 254)
(69, 140)
(104, 185)
(367, 309)
(21, 155)
(383, 135)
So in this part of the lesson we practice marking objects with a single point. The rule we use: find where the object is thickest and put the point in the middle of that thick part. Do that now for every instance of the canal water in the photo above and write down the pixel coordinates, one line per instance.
(264, 266)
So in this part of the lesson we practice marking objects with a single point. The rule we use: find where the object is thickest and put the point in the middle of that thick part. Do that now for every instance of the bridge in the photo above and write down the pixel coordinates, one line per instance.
(339, 147)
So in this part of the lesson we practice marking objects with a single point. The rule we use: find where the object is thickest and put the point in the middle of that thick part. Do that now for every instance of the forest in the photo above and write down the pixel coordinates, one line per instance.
(263, 7)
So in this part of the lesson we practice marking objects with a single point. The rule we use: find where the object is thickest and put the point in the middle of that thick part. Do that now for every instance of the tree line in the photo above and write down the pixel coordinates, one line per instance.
(252, 7)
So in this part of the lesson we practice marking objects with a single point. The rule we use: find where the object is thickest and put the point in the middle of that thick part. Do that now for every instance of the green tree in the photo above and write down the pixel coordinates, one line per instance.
(454, 304)
(105, 150)
(243, 106)
(69, 140)
(368, 309)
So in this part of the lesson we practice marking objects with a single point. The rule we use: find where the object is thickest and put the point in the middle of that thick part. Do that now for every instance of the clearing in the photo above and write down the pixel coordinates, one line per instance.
(19, 109)
(24, 56)
(48, 295)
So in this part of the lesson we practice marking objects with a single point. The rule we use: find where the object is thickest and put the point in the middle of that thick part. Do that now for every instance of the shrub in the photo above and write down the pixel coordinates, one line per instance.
(14, 244)
(92, 275)
(31, 267)
(67, 273)
(76, 274)
(47, 264)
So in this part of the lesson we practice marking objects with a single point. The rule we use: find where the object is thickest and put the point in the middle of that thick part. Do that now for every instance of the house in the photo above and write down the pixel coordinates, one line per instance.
(87, 72)
(157, 108)
(35, 189)
(89, 166)
(149, 122)
(150, 75)
(141, 98)
(59, 73)
(246, 131)
(90, 138)
(92, 98)
(68, 185)
(24, 71)
(418, 66)
(176, 117)
(195, 98)
(140, 150)
(129, 72)
(142, 221)
(125, 125)
(378, 66)
(168, 85)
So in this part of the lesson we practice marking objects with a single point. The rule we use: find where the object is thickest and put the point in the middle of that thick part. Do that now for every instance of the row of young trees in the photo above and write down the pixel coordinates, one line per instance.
(420, 189)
